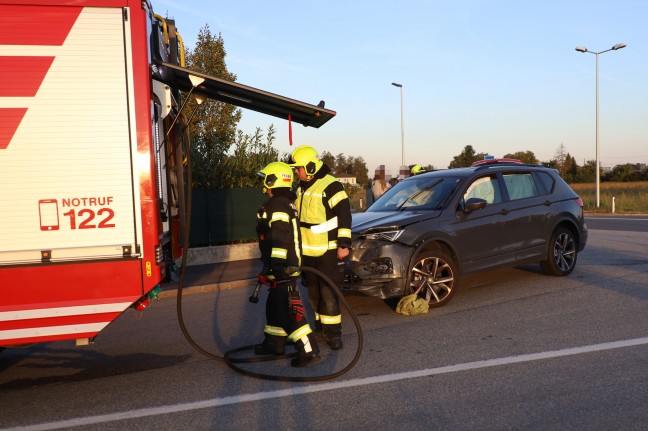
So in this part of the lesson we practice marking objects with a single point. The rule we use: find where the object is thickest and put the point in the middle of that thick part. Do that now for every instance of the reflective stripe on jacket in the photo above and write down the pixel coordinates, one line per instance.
(312, 205)
(278, 232)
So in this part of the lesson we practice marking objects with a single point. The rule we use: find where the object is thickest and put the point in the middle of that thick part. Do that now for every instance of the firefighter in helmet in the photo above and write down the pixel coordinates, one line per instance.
(325, 223)
(279, 237)
(417, 169)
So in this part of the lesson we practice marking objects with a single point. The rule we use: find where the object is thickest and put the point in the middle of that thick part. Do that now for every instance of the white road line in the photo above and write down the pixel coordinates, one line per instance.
(238, 399)
(624, 218)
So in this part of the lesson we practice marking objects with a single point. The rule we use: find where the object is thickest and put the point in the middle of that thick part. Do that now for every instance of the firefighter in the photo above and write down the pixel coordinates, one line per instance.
(325, 223)
(279, 236)
(417, 169)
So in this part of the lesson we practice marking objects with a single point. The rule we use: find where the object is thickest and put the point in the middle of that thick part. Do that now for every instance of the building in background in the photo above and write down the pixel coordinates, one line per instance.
(346, 178)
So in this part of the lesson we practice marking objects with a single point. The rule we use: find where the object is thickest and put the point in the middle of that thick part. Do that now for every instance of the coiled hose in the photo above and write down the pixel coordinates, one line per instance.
(226, 357)
(232, 362)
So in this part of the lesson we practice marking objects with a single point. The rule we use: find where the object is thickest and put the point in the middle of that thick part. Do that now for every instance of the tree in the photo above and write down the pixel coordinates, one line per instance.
(359, 169)
(643, 171)
(328, 159)
(346, 164)
(562, 160)
(524, 156)
(550, 164)
(624, 173)
(251, 154)
(223, 156)
(561, 153)
(570, 169)
(587, 174)
(466, 158)
(213, 129)
(341, 164)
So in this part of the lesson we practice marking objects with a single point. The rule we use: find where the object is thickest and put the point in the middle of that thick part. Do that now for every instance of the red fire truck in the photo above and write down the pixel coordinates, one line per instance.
(92, 142)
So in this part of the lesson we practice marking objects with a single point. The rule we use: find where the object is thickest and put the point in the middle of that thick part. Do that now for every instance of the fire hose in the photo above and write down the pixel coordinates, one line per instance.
(254, 298)
(186, 211)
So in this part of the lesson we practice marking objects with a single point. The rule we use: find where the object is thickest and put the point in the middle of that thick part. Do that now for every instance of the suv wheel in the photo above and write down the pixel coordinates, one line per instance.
(561, 253)
(433, 277)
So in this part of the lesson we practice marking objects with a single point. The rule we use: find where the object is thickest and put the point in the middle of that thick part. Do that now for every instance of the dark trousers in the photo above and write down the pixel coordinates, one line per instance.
(277, 313)
(321, 296)
(280, 324)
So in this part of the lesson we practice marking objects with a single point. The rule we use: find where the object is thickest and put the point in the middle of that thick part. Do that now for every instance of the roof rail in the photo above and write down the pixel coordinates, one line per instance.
(496, 161)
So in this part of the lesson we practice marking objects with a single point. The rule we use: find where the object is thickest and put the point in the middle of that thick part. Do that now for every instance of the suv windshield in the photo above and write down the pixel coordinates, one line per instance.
(424, 193)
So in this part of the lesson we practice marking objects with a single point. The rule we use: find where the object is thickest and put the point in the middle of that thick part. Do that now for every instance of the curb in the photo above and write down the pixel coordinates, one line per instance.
(222, 253)
(171, 290)
(214, 255)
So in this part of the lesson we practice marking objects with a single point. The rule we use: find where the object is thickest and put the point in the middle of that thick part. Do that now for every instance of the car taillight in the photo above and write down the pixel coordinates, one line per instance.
(579, 201)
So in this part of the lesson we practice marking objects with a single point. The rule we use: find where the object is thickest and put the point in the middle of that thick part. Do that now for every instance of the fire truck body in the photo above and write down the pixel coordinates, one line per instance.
(91, 152)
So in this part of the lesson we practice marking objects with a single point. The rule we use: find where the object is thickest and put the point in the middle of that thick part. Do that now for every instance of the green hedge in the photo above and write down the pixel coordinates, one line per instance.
(224, 216)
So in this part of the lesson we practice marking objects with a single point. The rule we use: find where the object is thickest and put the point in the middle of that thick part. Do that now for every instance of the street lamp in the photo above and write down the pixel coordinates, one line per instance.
(402, 125)
(598, 174)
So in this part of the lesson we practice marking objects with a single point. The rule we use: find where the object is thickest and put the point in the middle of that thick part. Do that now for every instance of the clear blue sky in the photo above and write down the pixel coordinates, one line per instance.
(500, 75)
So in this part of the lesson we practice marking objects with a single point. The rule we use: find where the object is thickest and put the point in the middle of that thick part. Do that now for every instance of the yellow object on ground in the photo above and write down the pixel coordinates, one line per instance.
(411, 305)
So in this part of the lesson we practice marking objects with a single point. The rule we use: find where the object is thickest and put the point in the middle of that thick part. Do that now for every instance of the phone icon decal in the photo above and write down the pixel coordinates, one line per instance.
(48, 214)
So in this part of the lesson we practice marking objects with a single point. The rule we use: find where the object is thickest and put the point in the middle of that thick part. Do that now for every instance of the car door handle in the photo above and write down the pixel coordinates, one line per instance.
(504, 211)
(547, 203)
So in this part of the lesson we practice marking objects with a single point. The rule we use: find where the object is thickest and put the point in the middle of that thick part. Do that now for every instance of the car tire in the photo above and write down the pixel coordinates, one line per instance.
(433, 277)
(562, 253)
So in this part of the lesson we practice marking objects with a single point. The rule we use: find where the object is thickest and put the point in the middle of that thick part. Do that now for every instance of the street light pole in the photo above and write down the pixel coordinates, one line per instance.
(402, 124)
(598, 155)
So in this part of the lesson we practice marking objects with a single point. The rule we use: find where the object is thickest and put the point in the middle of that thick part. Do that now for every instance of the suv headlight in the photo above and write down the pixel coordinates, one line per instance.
(388, 235)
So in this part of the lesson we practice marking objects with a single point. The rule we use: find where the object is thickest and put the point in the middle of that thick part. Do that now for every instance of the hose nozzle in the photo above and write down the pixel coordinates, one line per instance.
(255, 295)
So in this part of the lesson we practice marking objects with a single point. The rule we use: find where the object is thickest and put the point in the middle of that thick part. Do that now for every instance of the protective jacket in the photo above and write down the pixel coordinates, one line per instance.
(325, 223)
(279, 235)
(278, 231)
(324, 214)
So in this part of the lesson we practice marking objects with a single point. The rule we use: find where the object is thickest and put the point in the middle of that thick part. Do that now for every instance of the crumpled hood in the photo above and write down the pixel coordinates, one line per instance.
(367, 220)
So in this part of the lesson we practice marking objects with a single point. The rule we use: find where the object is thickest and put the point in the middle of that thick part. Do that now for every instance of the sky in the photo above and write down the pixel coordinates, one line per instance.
(500, 75)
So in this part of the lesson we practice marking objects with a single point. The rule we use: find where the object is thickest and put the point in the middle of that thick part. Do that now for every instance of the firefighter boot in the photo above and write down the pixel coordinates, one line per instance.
(334, 343)
(307, 351)
(333, 335)
(272, 345)
(318, 330)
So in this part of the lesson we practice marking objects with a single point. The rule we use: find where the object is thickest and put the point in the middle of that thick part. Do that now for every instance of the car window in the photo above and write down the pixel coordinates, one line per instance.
(546, 181)
(520, 185)
(425, 193)
(486, 188)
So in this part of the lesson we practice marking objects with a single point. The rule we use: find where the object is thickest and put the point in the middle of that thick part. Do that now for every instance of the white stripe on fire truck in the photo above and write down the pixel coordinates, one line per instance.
(41, 313)
(82, 328)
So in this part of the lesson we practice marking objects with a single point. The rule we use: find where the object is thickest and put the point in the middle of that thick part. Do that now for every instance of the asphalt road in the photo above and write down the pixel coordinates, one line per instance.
(514, 349)
(630, 223)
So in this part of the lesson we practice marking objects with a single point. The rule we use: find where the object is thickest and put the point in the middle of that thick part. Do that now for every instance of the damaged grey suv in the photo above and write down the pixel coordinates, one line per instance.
(429, 230)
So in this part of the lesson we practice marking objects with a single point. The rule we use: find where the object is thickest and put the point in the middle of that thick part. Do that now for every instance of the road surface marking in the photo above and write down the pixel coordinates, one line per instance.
(238, 399)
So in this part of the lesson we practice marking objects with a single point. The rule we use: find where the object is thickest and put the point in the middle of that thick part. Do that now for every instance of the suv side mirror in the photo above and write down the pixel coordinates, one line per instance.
(474, 204)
